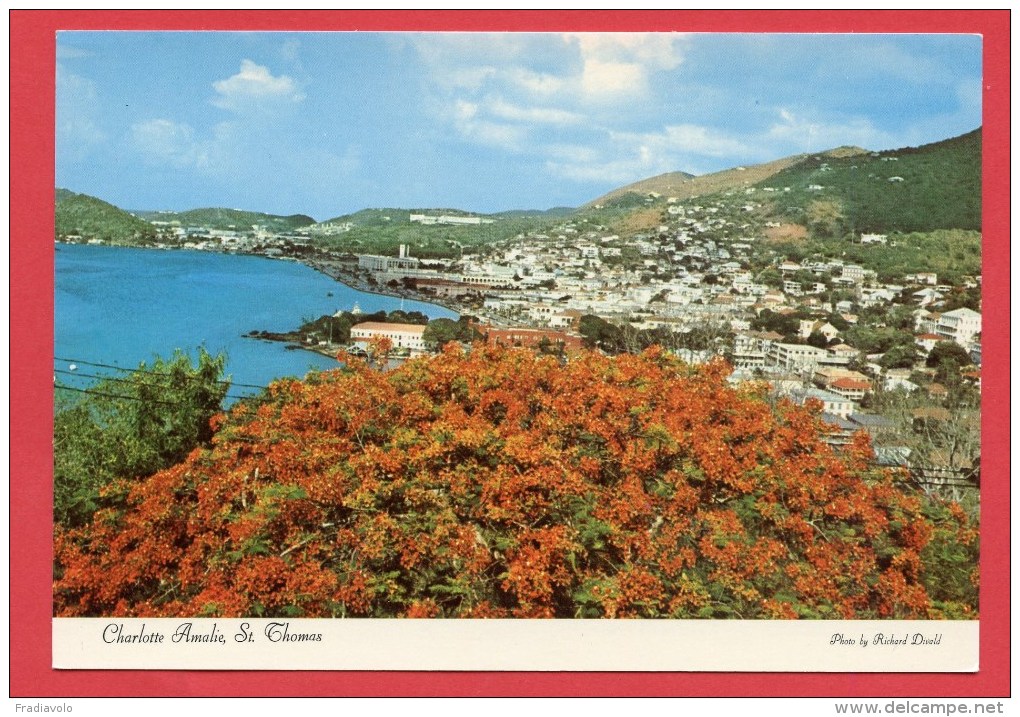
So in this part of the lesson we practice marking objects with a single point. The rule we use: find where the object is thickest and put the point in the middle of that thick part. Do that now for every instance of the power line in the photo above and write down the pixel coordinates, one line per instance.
(93, 392)
(156, 373)
(64, 387)
(122, 380)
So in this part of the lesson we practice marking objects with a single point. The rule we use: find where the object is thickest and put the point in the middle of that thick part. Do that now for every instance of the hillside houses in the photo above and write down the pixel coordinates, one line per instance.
(704, 265)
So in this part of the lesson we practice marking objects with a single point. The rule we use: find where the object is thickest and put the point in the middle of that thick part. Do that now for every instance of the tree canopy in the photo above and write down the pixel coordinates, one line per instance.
(129, 427)
(499, 483)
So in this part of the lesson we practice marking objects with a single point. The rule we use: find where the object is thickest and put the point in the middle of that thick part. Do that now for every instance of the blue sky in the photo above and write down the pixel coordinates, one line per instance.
(329, 123)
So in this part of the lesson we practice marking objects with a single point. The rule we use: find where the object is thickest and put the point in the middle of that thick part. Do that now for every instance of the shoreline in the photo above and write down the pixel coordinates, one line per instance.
(353, 281)
(332, 269)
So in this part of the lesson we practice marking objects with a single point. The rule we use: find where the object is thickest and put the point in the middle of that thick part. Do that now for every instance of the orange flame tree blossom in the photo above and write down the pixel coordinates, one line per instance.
(498, 483)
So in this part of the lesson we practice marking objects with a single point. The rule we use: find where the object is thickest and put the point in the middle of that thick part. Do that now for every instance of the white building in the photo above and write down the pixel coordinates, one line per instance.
(372, 262)
(959, 325)
(407, 336)
(448, 219)
(874, 238)
(797, 357)
(831, 403)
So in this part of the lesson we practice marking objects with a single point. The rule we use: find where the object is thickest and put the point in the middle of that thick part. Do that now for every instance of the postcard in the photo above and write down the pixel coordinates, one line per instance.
(656, 344)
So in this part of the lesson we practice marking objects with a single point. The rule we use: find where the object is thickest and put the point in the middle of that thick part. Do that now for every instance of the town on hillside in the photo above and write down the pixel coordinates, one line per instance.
(896, 357)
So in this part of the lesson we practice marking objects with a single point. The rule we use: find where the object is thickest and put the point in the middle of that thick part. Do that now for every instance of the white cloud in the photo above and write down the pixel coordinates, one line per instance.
(162, 141)
(612, 81)
(699, 141)
(617, 66)
(795, 132)
(77, 110)
(621, 170)
(546, 79)
(535, 83)
(474, 124)
(654, 51)
(622, 157)
(254, 88)
(531, 115)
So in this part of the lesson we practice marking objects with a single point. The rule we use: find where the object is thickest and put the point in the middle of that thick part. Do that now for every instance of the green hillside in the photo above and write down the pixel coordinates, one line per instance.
(79, 215)
(382, 231)
(554, 213)
(916, 189)
(237, 219)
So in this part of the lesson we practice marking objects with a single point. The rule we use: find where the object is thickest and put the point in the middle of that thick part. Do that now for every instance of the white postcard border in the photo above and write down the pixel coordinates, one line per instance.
(516, 645)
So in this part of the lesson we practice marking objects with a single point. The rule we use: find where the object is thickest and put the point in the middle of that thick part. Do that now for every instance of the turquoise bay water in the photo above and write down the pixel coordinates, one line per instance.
(121, 306)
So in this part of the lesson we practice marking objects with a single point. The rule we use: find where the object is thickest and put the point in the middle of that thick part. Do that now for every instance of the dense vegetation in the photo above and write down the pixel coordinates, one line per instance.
(950, 253)
(922, 189)
(336, 328)
(79, 215)
(128, 427)
(232, 219)
(497, 483)
(382, 231)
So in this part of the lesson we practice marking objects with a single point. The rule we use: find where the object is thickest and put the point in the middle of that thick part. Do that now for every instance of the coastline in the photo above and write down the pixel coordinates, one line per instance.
(351, 280)
(327, 267)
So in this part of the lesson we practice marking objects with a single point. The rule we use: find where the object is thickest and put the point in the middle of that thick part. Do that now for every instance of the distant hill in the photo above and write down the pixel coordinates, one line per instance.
(915, 189)
(382, 231)
(669, 184)
(554, 213)
(685, 186)
(79, 215)
(838, 192)
(393, 215)
(223, 219)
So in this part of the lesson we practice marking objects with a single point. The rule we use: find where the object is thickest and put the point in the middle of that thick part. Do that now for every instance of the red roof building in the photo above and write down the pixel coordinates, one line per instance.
(532, 338)
(850, 388)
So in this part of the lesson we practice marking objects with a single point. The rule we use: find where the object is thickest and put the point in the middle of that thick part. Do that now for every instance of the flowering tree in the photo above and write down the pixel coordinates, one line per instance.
(498, 483)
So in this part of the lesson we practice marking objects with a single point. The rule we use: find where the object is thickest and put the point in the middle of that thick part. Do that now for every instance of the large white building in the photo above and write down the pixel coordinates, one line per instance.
(959, 325)
(448, 219)
(373, 262)
(796, 357)
(409, 336)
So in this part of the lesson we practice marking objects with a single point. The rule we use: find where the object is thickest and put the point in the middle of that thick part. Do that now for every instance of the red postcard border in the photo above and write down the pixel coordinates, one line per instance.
(32, 88)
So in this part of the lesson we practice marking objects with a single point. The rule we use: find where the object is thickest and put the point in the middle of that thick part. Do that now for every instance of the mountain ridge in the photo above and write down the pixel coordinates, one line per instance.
(932, 186)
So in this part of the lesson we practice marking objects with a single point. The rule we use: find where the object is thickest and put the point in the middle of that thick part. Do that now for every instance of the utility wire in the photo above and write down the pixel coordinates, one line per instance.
(92, 392)
(157, 373)
(121, 380)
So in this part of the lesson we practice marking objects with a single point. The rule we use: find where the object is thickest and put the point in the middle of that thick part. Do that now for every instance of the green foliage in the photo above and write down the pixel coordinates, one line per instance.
(769, 320)
(129, 428)
(612, 339)
(817, 339)
(951, 253)
(442, 331)
(382, 231)
(902, 355)
(91, 218)
(947, 358)
(337, 328)
(599, 333)
(963, 298)
(771, 277)
(948, 351)
(232, 219)
(922, 189)
(874, 340)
